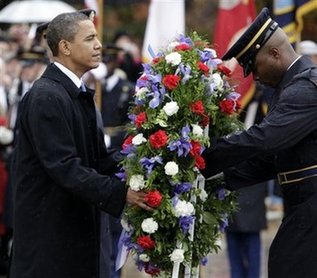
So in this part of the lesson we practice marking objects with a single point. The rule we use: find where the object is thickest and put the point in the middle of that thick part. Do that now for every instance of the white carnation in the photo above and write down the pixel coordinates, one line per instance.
(141, 93)
(171, 108)
(177, 256)
(138, 139)
(183, 208)
(203, 195)
(217, 80)
(144, 258)
(197, 130)
(6, 135)
(136, 182)
(149, 225)
(173, 58)
(171, 168)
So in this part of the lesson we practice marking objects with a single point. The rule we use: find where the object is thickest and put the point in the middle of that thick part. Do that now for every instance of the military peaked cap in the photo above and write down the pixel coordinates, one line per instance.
(34, 55)
(251, 41)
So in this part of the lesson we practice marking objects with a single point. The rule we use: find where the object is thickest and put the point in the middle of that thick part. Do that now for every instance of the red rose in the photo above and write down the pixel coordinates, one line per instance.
(127, 142)
(153, 198)
(205, 120)
(140, 119)
(182, 47)
(3, 121)
(158, 139)
(146, 242)
(227, 106)
(226, 71)
(156, 60)
(203, 67)
(197, 107)
(200, 162)
(171, 81)
(196, 148)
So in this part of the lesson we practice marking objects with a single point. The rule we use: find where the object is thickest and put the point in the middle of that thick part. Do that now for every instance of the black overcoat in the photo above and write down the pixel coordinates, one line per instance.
(285, 140)
(60, 169)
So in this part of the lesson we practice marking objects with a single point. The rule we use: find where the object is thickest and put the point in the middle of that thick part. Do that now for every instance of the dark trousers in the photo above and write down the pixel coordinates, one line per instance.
(244, 252)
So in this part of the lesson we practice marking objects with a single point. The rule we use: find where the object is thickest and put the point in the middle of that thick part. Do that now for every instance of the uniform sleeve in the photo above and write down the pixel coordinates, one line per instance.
(250, 172)
(291, 120)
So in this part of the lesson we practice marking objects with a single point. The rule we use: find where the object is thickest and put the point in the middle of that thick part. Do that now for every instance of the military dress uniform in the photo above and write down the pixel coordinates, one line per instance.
(283, 145)
(117, 95)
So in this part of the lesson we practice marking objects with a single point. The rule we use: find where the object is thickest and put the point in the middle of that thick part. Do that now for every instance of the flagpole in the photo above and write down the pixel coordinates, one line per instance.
(100, 37)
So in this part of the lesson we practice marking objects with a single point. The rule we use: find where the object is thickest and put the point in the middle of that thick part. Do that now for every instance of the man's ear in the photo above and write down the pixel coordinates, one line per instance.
(274, 52)
(64, 47)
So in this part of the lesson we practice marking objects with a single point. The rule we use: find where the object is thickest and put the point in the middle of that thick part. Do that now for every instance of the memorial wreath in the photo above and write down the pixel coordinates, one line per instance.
(181, 100)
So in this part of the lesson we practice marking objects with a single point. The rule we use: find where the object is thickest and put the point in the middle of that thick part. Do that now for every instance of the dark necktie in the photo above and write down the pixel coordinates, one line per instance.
(83, 87)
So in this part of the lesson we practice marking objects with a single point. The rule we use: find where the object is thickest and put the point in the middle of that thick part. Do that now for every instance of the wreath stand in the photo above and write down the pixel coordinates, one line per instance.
(190, 271)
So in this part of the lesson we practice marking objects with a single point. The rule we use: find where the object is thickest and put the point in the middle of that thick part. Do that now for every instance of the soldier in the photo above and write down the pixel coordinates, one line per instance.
(283, 144)
(117, 93)
(33, 63)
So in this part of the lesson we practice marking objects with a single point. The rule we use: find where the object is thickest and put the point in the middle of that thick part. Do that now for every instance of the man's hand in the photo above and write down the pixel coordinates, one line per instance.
(136, 198)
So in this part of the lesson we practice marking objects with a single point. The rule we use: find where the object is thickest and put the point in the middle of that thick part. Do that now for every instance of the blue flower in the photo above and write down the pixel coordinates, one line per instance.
(184, 39)
(122, 175)
(181, 145)
(155, 101)
(186, 71)
(205, 55)
(129, 151)
(204, 261)
(185, 132)
(234, 96)
(182, 187)
(157, 94)
(221, 194)
(142, 82)
(147, 68)
(185, 222)
(149, 163)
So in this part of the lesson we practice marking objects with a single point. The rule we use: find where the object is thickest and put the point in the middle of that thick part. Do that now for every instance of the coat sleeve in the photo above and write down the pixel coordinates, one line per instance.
(50, 123)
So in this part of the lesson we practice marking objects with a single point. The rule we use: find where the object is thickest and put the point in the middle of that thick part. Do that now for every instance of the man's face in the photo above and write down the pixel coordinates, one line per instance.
(85, 50)
(266, 68)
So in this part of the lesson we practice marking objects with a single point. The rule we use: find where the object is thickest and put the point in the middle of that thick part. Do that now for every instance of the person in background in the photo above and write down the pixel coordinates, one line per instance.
(130, 60)
(309, 48)
(33, 63)
(243, 234)
(62, 172)
(282, 145)
(117, 94)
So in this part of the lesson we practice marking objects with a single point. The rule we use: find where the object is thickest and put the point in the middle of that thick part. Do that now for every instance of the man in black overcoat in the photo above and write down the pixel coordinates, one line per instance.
(283, 145)
(61, 169)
